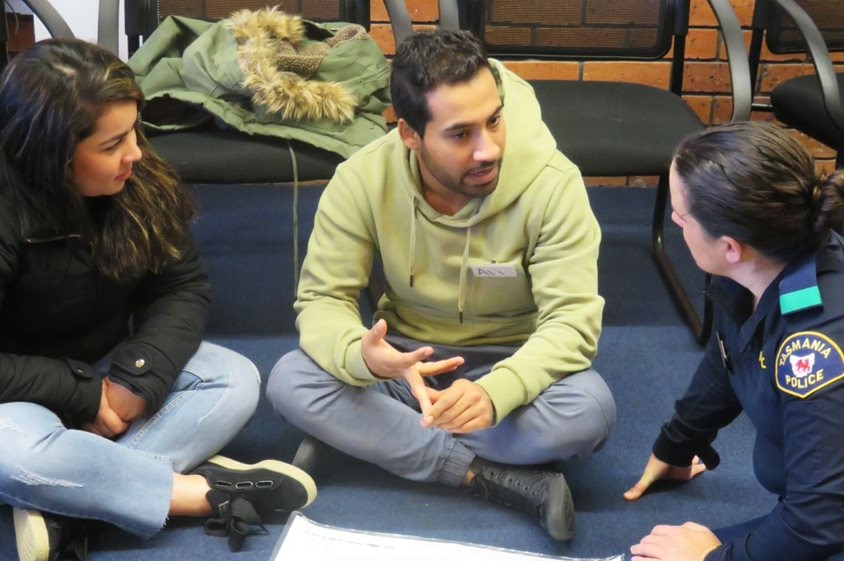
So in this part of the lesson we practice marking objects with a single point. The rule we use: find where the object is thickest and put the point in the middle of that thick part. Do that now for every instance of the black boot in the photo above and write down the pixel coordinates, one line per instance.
(543, 494)
(320, 460)
(46, 537)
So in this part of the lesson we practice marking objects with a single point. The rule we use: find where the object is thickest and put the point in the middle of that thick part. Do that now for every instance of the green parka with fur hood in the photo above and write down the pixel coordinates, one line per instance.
(266, 73)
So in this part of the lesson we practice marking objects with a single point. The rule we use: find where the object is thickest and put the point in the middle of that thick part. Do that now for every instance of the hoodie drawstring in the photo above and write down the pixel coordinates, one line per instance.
(464, 263)
(464, 266)
(412, 249)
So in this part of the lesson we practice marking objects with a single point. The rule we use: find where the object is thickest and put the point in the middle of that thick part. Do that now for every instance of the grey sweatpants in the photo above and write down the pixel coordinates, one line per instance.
(380, 423)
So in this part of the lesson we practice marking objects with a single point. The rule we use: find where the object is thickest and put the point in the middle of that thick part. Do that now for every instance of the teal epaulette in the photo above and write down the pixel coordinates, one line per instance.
(799, 288)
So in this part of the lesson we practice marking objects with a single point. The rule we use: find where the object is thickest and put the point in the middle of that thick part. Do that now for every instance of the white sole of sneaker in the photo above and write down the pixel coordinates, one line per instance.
(31, 535)
(273, 465)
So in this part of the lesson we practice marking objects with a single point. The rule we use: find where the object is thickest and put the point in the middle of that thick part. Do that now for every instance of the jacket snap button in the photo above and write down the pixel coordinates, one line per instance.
(140, 363)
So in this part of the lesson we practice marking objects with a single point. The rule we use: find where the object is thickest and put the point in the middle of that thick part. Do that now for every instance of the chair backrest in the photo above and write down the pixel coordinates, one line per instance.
(815, 27)
(579, 29)
(318, 10)
(143, 16)
(784, 37)
(604, 29)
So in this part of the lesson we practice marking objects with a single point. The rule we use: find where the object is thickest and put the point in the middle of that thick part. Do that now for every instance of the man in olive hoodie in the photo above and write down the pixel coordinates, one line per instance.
(489, 248)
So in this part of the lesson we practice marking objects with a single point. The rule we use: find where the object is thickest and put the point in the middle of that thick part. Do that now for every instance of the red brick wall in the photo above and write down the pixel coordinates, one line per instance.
(706, 84)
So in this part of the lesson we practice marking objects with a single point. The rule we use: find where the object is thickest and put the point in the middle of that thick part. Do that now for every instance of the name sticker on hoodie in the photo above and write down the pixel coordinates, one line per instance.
(494, 270)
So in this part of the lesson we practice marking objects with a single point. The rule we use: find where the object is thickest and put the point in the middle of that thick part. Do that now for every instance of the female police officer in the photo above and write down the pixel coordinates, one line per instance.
(754, 214)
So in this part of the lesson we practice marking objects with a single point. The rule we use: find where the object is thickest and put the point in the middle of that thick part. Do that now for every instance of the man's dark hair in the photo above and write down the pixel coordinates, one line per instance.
(426, 60)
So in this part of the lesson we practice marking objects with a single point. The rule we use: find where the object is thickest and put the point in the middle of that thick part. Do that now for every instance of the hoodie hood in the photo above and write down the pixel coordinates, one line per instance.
(528, 148)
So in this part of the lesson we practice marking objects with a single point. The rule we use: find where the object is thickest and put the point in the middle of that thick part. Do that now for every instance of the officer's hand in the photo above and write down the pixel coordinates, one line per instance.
(462, 408)
(385, 361)
(689, 542)
(108, 423)
(657, 469)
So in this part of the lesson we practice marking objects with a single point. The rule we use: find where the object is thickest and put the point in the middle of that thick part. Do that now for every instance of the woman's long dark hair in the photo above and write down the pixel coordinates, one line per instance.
(753, 182)
(51, 96)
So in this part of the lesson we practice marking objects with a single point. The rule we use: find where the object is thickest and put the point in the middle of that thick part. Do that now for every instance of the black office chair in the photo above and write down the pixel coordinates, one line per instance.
(143, 16)
(607, 128)
(812, 104)
(213, 155)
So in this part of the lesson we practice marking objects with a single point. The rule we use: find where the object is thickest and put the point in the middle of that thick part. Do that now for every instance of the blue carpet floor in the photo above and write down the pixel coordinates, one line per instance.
(646, 355)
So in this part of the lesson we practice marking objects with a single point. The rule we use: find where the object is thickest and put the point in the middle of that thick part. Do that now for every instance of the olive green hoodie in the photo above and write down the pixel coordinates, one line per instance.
(537, 224)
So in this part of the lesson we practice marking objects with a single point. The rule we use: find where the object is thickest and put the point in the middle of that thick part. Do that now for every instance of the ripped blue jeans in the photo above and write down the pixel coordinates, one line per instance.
(127, 481)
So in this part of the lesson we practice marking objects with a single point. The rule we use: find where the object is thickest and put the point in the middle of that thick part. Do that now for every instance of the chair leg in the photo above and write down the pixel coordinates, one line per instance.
(700, 327)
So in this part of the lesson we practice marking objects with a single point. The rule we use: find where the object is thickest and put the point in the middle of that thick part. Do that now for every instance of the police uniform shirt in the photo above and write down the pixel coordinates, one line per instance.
(783, 365)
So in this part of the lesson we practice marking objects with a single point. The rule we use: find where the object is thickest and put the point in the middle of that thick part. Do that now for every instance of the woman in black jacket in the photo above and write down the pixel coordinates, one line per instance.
(109, 399)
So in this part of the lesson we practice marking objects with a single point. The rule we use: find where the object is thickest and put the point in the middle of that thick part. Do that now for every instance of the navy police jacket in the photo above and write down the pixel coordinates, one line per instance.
(783, 365)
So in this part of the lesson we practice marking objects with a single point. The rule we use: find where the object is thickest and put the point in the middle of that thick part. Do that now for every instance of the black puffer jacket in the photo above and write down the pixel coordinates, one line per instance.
(58, 315)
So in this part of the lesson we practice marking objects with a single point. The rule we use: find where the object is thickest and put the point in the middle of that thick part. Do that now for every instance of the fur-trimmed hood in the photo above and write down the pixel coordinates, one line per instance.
(279, 62)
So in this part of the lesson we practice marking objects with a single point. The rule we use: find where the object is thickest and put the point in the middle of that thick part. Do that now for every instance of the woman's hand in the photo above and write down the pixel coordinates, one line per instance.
(108, 423)
(689, 542)
(128, 405)
(657, 469)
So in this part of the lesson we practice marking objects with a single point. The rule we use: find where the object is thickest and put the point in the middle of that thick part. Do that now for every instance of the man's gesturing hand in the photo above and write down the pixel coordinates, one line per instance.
(385, 361)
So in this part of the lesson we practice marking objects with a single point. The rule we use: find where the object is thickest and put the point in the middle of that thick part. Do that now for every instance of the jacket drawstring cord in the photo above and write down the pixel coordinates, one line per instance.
(295, 219)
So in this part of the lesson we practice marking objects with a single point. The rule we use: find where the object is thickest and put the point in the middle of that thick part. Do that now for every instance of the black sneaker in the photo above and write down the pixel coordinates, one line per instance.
(242, 496)
(544, 494)
(44, 537)
(234, 518)
(319, 459)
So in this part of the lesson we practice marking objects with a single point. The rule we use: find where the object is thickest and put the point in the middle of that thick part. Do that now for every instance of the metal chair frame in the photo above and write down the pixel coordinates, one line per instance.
(768, 12)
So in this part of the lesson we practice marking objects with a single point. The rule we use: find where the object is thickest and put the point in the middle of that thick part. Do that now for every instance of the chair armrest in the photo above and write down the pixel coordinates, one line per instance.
(399, 19)
(51, 18)
(730, 28)
(820, 59)
(449, 18)
(108, 24)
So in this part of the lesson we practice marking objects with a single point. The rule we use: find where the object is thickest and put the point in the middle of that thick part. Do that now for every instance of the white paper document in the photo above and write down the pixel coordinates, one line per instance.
(305, 540)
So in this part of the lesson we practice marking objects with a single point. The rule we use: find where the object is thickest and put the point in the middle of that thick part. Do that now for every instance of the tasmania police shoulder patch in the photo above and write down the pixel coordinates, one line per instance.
(806, 362)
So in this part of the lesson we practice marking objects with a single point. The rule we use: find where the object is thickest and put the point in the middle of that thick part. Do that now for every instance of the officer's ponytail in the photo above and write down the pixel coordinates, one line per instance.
(830, 203)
